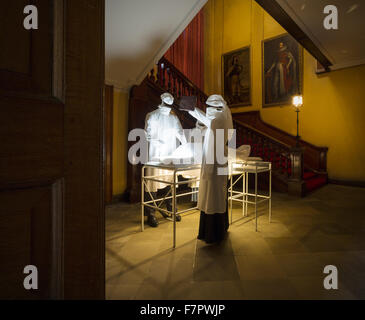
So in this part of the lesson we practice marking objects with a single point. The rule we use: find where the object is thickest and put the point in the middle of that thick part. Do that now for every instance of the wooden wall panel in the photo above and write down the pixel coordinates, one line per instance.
(26, 67)
(33, 148)
(15, 55)
(27, 229)
(51, 155)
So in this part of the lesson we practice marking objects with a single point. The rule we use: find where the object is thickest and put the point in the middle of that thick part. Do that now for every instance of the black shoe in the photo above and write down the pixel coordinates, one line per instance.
(152, 221)
(164, 214)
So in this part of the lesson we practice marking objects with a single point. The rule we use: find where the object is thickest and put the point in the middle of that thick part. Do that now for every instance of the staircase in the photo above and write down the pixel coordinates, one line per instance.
(307, 170)
(297, 171)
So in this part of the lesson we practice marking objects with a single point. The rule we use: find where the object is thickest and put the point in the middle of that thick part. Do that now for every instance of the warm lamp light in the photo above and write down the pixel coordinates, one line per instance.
(297, 103)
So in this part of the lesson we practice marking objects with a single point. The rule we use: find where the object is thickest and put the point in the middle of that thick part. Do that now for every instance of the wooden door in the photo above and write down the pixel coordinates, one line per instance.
(108, 142)
(51, 136)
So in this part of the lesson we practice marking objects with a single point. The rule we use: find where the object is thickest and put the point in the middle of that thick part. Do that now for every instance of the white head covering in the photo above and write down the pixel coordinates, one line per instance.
(217, 100)
(167, 98)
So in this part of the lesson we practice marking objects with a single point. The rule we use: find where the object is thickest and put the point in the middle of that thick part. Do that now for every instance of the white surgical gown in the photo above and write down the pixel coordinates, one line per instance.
(164, 133)
(213, 187)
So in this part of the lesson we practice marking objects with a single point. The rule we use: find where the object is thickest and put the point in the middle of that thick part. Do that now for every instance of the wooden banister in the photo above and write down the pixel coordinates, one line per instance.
(315, 158)
(262, 133)
(265, 147)
(169, 78)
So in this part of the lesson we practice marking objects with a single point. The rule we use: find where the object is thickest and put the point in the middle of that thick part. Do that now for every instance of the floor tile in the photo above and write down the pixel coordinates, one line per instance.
(257, 267)
(312, 288)
(269, 289)
(283, 260)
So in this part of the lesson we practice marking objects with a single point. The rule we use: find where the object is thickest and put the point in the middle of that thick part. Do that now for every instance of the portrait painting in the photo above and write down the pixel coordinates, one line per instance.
(236, 77)
(282, 70)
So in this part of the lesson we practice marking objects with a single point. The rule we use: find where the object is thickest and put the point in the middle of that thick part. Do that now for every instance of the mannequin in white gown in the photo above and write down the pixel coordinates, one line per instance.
(164, 133)
(212, 199)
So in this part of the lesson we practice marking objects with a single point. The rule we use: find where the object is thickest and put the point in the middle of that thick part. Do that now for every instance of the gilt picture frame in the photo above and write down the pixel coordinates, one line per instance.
(282, 70)
(236, 77)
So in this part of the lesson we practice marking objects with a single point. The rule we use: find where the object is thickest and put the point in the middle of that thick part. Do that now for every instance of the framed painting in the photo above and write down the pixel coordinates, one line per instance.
(282, 70)
(236, 77)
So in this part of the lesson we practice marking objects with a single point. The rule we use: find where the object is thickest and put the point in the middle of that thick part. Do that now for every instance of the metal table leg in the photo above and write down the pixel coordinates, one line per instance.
(270, 196)
(256, 170)
(174, 209)
(243, 193)
(231, 193)
(142, 210)
(256, 199)
(246, 192)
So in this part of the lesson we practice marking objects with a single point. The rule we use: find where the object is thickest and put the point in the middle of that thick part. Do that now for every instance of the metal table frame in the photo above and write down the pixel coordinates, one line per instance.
(243, 169)
(156, 203)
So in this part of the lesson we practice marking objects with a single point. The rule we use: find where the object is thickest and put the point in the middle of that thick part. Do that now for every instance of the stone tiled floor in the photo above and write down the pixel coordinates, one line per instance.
(283, 260)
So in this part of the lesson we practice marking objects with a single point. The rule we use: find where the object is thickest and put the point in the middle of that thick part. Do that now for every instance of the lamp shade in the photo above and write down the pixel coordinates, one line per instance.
(297, 101)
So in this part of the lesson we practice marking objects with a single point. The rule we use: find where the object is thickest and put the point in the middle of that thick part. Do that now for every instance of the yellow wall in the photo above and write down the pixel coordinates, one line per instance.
(120, 136)
(333, 114)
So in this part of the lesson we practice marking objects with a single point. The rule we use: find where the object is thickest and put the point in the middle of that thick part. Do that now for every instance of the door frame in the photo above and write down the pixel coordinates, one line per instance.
(108, 142)
(84, 223)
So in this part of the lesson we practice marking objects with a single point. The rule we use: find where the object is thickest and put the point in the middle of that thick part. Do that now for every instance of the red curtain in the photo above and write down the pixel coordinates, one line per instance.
(187, 52)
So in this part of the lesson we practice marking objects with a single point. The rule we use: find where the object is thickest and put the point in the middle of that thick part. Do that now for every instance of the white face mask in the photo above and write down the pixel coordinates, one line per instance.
(168, 100)
(165, 110)
(212, 112)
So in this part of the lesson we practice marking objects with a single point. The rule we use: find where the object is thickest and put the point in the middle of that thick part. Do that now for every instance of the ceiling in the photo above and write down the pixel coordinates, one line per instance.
(139, 32)
(344, 47)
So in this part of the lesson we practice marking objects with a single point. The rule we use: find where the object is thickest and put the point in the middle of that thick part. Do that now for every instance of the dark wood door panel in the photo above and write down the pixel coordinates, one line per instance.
(29, 221)
(51, 194)
(32, 143)
(15, 55)
(32, 149)
(31, 60)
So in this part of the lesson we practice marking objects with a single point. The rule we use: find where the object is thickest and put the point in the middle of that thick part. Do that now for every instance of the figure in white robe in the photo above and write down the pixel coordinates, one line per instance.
(212, 199)
(164, 134)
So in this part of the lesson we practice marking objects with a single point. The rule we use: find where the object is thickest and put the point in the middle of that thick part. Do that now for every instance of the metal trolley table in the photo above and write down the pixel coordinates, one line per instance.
(168, 180)
(243, 169)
